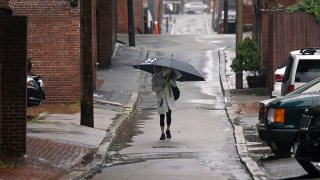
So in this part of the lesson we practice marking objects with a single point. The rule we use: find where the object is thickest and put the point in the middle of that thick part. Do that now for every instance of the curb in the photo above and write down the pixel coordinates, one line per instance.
(254, 170)
(102, 152)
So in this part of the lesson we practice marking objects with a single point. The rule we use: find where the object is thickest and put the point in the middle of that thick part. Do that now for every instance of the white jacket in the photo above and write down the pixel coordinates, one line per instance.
(164, 94)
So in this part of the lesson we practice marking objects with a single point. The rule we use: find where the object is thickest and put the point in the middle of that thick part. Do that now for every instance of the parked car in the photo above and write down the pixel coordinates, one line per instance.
(35, 90)
(279, 118)
(278, 77)
(303, 66)
(194, 8)
(307, 144)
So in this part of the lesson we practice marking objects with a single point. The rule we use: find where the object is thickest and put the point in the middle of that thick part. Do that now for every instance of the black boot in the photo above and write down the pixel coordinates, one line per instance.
(168, 134)
(162, 137)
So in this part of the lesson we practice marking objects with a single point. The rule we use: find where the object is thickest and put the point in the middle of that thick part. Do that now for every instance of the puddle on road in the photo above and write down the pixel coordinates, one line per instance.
(207, 104)
(203, 101)
(128, 130)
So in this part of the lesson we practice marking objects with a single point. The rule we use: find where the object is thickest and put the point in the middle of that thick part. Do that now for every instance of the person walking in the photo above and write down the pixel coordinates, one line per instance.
(162, 81)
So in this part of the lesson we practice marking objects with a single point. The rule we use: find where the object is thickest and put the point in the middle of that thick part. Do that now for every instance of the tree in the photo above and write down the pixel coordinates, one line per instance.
(309, 6)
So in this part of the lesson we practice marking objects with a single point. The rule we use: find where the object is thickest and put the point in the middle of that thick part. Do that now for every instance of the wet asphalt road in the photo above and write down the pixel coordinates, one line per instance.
(202, 144)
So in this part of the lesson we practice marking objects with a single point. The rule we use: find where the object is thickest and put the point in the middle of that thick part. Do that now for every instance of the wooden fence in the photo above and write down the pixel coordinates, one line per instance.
(283, 32)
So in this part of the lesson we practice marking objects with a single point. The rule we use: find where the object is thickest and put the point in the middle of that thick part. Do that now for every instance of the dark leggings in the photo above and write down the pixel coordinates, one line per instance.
(168, 114)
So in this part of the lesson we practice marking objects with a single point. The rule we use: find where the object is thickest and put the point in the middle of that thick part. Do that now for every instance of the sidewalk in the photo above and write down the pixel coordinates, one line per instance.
(58, 147)
(242, 107)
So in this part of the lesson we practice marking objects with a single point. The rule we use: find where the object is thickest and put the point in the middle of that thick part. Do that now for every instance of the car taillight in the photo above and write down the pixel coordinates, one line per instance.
(290, 88)
(279, 77)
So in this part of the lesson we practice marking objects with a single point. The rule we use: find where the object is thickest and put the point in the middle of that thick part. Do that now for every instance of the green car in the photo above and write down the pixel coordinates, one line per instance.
(279, 118)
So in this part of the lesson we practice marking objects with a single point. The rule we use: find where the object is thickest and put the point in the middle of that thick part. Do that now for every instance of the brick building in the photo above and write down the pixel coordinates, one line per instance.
(217, 20)
(13, 43)
(48, 32)
(107, 31)
(54, 45)
(140, 13)
(247, 14)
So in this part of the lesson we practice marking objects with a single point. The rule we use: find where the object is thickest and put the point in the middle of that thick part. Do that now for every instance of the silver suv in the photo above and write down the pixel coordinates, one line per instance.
(303, 66)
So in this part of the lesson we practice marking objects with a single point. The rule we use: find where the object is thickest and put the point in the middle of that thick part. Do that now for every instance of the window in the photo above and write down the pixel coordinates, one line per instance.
(307, 70)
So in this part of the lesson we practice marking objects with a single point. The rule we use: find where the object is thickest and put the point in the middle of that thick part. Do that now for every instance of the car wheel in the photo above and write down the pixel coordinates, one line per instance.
(313, 168)
(280, 150)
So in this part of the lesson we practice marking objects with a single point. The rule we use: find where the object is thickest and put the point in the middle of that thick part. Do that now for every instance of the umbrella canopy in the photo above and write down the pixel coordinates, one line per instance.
(187, 71)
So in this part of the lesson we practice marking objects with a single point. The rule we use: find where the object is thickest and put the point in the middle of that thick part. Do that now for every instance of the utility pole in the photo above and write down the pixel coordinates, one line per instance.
(225, 18)
(131, 23)
(239, 39)
(86, 62)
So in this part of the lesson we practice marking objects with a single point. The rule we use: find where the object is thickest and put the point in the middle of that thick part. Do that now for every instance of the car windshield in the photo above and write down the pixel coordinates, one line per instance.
(313, 86)
(307, 70)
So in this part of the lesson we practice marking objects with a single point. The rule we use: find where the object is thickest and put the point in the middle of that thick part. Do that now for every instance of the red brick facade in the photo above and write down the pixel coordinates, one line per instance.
(13, 41)
(54, 45)
(123, 16)
(107, 28)
(50, 36)
(4, 4)
(247, 14)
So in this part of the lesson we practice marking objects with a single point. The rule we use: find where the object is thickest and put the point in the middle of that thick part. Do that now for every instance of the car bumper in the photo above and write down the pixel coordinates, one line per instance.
(276, 135)
(35, 97)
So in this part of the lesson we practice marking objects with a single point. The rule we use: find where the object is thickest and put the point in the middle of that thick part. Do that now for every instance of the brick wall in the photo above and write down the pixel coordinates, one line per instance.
(106, 20)
(123, 16)
(54, 45)
(247, 14)
(4, 4)
(13, 31)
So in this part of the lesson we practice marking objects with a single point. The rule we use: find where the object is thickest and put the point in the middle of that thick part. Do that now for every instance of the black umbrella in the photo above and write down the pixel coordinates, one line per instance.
(188, 72)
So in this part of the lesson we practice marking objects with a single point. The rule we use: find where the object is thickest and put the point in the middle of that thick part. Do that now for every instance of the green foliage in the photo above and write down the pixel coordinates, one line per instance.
(309, 6)
(77, 103)
(248, 58)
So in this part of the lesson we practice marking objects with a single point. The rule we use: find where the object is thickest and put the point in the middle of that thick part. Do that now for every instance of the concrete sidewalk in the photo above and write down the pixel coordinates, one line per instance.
(58, 147)
(242, 107)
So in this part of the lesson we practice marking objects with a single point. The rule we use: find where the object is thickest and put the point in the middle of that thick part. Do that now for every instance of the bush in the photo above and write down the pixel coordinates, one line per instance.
(309, 6)
(248, 58)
